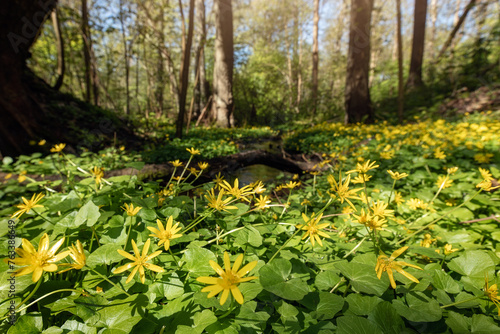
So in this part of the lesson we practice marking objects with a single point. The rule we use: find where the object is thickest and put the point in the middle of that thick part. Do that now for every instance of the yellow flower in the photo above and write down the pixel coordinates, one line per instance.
(483, 157)
(438, 154)
(21, 178)
(427, 241)
(262, 202)
(305, 201)
(37, 262)
(217, 202)
(97, 173)
(203, 165)
(448, 249)
(122, 148)
(379, 209)
(291, 185)
(414, 203)
(258, 187)
(228, 279)
(131, 211)
(492, 293)
(486, 185)
(313, 229)
(42, 142)
(193, 171)
(342, 189)
(452, 170)
(193, 151)
(388, 264)
(139, 262)
(362, 178)
(236, 191)
(443, 181)
(176, 163)
(166, 234)
(485, 174)
(376, 223)
(363, 217)
(398, 198)
(58, 148)
(8, 176)
(364, 168)
(397, 175)
(78, 256)
(28, 205)
(218, 179)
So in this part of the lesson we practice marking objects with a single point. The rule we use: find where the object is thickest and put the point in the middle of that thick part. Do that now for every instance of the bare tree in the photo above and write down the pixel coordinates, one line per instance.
(315, 57)
(357, 94)
(400, 62)
(184, 72)
(223, 66)
(61, 66)
(417, 50)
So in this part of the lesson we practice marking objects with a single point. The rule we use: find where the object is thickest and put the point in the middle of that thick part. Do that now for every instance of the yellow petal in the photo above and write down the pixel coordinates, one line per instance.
(237, 263)
(216, 289)
(216, 267)
(237, 294)
(246, 269)
(224, 296)
(37, 274)
(208, 280)
(136, 250)
(398, 252)
(123, 268)
(227, 262)
(154, 267)
(125, 254)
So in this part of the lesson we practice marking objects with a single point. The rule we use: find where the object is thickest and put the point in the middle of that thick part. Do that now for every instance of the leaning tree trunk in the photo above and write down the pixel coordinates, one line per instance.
(357, 94)
(20, 114)
(223, 67)
(61, 64)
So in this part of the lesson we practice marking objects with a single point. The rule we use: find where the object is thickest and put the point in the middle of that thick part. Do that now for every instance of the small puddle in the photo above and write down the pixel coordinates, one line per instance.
(252, 173)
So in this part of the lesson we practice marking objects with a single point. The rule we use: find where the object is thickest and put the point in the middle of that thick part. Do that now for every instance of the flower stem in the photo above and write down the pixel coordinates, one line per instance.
(283, 246)
(32, 292)
(460, 302)
(108, 280)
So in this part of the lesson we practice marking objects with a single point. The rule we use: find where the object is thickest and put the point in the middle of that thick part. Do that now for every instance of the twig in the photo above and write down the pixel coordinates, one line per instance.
(480, 220)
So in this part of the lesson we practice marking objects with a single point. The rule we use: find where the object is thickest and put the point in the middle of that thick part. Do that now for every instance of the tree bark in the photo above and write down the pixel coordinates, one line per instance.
(433, 13)
(184, 72)
(202, 88)
(315, 57)
(417, 50)
(455, 29)
(400, 61)
(223, 66)
(121, 17)
(86, 49)
(61, 65)
(357, 94)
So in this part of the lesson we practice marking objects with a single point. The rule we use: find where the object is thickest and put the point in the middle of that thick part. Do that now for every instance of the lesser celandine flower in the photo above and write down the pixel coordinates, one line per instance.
(203, 165)
(364, 168)
(438, 154)
(492, 293)
(139, 261)
(262, 202)
(443, 182)
(452, 170)
(228, 279)
(258, 187)
(448, 249)
(97, 173)
(486, 185)
(28, 205)
(361, 178)
(427, 241)
(42, 142)
(485, 174)
(236, 191)
(78, 256)
(37, 262)
(167, 233)
(130, 210)
(483, 157)
(398, 198)
(218, 180)
(342, 189)
(291, 185)
(388, 264)
(176, 163)
(58, 148)
(193, 151)
(312, 228)
(217, 202)
(379, 209)
(397, 175)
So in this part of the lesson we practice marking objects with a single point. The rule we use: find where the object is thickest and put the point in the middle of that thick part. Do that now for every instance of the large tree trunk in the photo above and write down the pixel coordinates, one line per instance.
(184, 74)
(19, 113)
(223, 67)
(61, 66)
(86, 49)
(417, 51)
(400, 62)
(357, 94)
(315, 57)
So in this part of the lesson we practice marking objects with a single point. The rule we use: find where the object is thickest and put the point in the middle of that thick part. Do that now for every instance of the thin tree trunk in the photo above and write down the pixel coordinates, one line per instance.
(125, 54)
(315, 57)
(432, 38)
(184, 71)
(417, 50)
(86, 49)
(223, 66)
(357, 94)
(400, 60)
(61, 66)
(455, 29)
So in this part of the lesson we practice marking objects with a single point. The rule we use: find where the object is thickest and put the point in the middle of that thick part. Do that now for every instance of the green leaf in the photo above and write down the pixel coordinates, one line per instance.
(105, 254)
(248, 318)
(275, 278)
(462, 214)
(361, 304)
(482, 324)
(75, 326)
(458, 323)
(326, 280)
(66, 203)
(135, 165)
(147, 214)
(248, 236)
(169, 211)
(88, 213)
(387, 318)
(474, 263)
(356, 325)
(442, 280)
(363, 277)
(201, 320)
(329, 305)
(420, 308)
(30, 323)
(119, 317)
(197, 261)
(170, 289)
